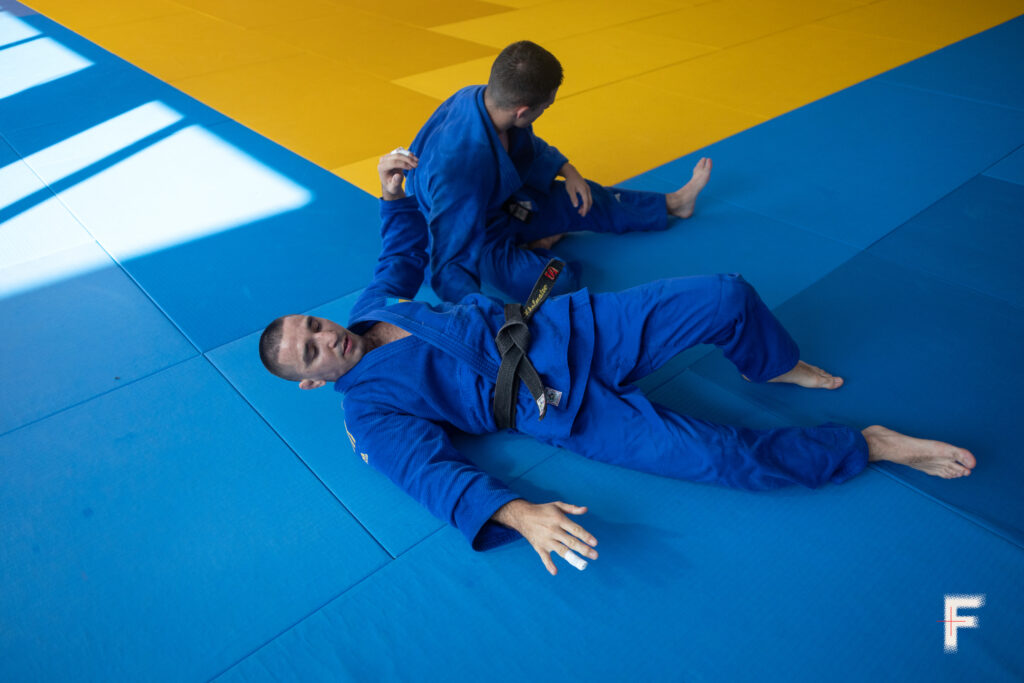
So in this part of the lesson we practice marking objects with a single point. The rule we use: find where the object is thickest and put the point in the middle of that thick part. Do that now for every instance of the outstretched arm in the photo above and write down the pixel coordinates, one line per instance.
(418, 457)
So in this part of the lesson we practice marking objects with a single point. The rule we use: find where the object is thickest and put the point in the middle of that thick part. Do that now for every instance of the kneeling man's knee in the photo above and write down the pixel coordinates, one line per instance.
(737, 294)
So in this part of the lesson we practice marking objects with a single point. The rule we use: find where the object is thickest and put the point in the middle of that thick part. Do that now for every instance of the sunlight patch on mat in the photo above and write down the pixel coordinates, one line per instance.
(60, 160)
(34, 63)
(13, 30)
(21, 277)
(186, 186)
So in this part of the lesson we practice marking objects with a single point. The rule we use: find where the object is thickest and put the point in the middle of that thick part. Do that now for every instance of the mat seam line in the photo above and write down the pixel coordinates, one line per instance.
(884, 78)
(260, 329)
(319, 609)
(102, 393)
(714, 49)
(717, 49)
(958, 285)
(921, 212)
(295, 453)
(421, 541)
(104, 25)
(970, 517)
(187, 12)
(751, 401)
(156, 138)
(797, 226)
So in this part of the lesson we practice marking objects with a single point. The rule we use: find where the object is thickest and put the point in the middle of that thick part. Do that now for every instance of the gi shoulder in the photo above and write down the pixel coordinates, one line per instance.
(362, 426)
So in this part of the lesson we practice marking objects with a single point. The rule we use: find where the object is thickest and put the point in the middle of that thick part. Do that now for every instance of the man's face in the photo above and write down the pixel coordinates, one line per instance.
(526, 116)
(318, 350)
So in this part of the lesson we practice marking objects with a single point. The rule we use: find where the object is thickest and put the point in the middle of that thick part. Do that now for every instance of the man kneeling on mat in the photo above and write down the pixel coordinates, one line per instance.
(406, 368)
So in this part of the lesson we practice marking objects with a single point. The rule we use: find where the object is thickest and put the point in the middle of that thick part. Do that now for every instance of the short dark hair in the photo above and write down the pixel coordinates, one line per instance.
(523, 75)
(270, 349)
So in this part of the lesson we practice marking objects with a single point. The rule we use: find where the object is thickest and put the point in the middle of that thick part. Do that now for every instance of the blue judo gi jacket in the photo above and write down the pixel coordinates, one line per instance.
(399, 395)
(463, 179)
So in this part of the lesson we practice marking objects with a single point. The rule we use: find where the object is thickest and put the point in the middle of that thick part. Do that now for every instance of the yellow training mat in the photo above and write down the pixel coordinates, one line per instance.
(325, 111)
(730, 22)
(343, 81)
(548, 21)
(781, 72)
(381, 46)
(625, 52)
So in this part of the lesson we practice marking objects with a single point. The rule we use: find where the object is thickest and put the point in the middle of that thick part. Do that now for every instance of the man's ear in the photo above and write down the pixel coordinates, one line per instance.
(521, 112)
(311, 384)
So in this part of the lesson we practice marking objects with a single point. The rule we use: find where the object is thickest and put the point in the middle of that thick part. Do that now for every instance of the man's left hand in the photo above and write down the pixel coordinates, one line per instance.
(578, 189)
(392, 169)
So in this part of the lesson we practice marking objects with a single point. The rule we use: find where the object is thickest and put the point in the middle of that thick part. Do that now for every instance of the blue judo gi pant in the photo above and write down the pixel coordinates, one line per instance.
(638, 330)
(514, 270)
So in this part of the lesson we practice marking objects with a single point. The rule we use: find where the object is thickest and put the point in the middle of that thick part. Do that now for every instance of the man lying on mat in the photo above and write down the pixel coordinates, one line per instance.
(408, 369)
(488, 190)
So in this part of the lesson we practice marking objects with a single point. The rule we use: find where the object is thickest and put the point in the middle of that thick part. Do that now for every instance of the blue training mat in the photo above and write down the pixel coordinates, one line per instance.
(986, 67)
(223, 246)
(79, 337)
(973, 237)
(1010, 169)
(161, 530)
(719, 238)
(171, 511)
(69, 311)
(855, 165)
(36, 117)
(693, 583)
(917, 355)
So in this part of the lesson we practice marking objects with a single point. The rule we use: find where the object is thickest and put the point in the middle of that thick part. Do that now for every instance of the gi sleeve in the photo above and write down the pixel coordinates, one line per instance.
(417, 455)
(547, 161)
(457, 222)
(403, 255)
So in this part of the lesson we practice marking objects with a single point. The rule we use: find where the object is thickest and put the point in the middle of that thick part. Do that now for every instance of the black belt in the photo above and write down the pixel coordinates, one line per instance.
(513, 342)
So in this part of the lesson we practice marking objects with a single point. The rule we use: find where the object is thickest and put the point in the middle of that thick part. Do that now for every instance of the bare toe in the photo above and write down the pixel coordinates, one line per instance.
(966, 458)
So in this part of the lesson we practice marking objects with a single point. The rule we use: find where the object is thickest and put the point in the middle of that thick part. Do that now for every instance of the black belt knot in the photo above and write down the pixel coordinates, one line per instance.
(513, 341)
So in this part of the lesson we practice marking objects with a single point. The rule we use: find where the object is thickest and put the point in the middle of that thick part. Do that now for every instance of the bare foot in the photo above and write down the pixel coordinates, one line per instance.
(931, 457)
(681, 202)
(544, 242)
(810, 377)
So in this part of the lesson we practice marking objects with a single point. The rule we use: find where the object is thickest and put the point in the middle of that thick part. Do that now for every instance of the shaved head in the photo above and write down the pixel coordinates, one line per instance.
(309, 350)
(270, 350)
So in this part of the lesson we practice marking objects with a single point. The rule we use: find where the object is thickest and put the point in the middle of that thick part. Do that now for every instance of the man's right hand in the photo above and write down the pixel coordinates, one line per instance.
(548, 529)
(392, 168)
